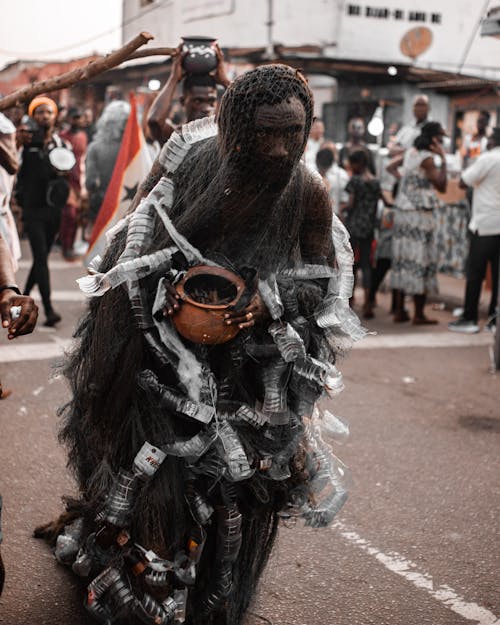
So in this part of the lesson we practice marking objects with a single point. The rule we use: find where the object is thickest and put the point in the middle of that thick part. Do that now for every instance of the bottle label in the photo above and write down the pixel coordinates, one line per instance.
(148, 460)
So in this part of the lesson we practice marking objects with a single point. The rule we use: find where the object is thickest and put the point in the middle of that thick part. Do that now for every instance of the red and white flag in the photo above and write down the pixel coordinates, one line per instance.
(132, 164)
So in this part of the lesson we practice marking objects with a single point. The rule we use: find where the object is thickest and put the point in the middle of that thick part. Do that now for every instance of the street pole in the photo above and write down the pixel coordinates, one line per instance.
(270, 24)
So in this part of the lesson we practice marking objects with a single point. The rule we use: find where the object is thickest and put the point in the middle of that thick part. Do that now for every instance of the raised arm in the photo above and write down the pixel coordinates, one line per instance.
(394, 165)
(436, 175)
(158, 115)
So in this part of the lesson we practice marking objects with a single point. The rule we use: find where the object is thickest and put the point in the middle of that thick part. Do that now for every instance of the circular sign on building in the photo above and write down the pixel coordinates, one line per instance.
(416, 41)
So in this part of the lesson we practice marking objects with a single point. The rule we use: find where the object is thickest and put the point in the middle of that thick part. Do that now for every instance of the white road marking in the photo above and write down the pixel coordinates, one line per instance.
(44, 351)
(33, 351)
(424, 339)
(396, 563)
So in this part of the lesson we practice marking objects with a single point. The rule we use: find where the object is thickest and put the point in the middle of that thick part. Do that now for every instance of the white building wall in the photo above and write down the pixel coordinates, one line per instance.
(329, 24)
(236, 23)
(367, 36)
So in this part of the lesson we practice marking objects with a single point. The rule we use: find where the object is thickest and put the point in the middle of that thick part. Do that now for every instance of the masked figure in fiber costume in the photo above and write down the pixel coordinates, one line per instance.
(189, 443)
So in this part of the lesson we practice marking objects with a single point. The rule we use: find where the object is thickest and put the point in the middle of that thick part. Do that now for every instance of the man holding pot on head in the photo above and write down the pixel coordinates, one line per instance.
(199, 89)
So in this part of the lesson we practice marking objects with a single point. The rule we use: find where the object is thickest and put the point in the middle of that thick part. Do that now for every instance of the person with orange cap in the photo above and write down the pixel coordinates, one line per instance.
(42, 192)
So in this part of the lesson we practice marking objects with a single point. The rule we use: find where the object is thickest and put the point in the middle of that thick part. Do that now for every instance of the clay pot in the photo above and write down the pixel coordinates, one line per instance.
(199, 55)
(202, 322)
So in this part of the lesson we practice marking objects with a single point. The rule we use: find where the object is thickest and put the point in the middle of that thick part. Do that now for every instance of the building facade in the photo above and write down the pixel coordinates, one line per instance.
(355, 53)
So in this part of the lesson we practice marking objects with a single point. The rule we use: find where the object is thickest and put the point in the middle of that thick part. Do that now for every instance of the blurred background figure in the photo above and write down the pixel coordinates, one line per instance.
(407, 134)
(360, 219)
(414, 253)
(88, 123)
(76, 136)
(474, 145)
(61, 122)
(334, 177)
(383, 256)
(101, 155)
(152, 145)
(314, 142)
(9, 164)
(24, 132)
(484, 236)
(356, 131)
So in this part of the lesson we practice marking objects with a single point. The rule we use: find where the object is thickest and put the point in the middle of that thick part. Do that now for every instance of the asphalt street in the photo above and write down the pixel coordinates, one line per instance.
(417, 542)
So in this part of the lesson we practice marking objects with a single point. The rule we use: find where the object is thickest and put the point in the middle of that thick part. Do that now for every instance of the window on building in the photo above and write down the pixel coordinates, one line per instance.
(353, 9)
(436, 18)
(417, 16)
(377, 12)
(398, 14)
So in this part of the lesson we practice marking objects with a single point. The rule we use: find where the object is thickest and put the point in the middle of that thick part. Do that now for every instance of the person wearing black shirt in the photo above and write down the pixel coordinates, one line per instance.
(42, 193)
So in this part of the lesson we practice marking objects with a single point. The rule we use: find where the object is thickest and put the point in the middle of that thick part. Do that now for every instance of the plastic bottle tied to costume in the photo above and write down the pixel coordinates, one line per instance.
(68, 543)
(329, 478)
(120, 500)
(332, 425)
(116, 513)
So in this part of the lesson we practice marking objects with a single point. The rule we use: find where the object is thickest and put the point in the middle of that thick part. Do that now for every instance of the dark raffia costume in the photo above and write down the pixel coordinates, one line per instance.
(182, 531)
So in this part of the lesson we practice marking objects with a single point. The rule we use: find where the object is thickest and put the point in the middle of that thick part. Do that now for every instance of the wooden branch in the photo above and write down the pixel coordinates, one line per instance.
(152, 52)
(83, 73)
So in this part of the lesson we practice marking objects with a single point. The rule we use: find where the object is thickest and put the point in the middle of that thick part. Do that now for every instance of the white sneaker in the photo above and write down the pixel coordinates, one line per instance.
(464, 326)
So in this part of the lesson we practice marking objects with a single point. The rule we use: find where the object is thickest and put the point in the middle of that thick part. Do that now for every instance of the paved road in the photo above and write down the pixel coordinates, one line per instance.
(417, 542)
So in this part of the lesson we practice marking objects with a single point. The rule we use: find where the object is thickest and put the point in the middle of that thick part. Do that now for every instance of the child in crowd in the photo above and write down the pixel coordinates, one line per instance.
(360, 216)
(334, 177)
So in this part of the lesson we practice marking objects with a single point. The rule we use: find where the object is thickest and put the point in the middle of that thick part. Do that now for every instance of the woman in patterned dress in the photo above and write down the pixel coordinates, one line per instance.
(414, 265)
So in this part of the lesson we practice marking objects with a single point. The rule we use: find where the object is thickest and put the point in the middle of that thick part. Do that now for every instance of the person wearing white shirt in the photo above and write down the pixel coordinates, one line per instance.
(484, 177)
(316, 138)
(406, 135)
(476, 144)
(334, 177)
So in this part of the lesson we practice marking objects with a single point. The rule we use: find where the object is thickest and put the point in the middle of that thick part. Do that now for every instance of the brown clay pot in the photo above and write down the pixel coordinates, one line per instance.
(204, 322)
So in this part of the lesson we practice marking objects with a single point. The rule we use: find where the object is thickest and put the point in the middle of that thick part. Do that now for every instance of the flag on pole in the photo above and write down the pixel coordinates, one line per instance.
(133, 162)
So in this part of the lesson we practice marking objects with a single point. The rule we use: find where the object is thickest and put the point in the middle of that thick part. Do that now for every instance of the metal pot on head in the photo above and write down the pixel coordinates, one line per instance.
(199, 56)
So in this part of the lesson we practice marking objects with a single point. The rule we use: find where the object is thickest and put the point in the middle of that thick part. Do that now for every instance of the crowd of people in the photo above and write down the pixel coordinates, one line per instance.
(55, 167)
(389, 228)
(397, 229)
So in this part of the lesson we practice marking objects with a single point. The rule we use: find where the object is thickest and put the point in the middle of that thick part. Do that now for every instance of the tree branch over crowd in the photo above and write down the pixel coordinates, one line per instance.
(125, 53)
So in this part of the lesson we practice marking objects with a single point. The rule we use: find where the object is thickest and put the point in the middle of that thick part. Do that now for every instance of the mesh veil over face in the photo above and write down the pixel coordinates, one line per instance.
(269, 84)
(239, 195)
